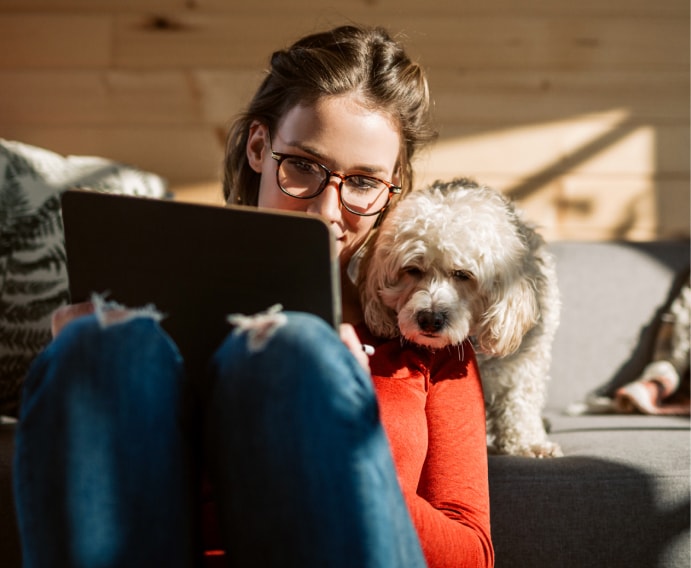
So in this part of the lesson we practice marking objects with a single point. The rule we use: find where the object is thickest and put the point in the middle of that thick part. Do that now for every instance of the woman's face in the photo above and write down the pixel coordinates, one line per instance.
(343, 135)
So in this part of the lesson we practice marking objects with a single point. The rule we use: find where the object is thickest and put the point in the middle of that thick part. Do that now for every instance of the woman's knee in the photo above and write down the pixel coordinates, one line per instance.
(90, 359)
(294, 356)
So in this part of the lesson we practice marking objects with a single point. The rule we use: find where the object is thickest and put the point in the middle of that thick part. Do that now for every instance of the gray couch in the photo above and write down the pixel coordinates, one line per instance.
(620, 496)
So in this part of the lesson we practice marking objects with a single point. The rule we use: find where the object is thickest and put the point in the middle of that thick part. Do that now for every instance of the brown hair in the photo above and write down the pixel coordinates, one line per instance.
(335, 62)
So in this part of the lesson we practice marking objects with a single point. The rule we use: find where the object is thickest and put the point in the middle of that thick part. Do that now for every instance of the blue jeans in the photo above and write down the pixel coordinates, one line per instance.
(107, 458)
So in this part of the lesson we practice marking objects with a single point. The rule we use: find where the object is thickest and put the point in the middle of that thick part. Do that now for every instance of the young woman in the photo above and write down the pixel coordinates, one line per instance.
(303, 469)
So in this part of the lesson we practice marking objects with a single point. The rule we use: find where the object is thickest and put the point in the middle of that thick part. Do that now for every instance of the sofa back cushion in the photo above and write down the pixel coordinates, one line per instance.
(33, 277)
(612, 296)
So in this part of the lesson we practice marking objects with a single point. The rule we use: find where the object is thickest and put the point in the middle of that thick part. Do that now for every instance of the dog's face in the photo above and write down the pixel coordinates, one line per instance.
(434, 295)
(446, 265)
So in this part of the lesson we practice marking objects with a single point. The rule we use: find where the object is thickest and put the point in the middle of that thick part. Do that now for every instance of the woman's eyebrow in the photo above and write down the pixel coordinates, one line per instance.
(370, 169)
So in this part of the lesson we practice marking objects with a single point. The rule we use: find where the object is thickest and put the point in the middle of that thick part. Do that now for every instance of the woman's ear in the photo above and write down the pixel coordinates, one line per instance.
(257, 145)
(397, 177)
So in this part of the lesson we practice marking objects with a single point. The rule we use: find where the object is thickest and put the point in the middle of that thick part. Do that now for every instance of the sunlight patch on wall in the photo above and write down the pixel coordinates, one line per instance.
(594, 174)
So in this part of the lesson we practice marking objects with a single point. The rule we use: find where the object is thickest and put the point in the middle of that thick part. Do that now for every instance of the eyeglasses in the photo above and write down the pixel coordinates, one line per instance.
(360, 194)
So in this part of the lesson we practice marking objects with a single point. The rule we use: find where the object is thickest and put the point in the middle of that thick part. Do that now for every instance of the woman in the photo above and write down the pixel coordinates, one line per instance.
(301, 467)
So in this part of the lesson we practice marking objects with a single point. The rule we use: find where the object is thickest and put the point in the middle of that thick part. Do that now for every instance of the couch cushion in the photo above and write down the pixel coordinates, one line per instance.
(33, 279)
(9, 541)
(612, 296)
(620, 497)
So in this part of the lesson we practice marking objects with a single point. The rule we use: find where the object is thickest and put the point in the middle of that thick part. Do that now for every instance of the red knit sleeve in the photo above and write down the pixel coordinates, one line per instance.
(432, 408)
(451, 508)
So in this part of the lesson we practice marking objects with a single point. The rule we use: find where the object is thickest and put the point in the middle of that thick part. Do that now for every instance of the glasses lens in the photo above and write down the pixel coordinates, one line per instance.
(364, 195)
(300, 177)
(305, 178)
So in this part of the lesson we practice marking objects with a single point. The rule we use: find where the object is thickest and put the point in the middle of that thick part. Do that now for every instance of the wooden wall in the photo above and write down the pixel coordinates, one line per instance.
(578, 110)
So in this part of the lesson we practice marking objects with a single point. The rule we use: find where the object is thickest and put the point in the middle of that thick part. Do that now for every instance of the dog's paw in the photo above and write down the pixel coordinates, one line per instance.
(545, 449)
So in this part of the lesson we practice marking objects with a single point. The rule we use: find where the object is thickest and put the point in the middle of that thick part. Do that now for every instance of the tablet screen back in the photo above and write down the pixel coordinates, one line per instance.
(197, 264)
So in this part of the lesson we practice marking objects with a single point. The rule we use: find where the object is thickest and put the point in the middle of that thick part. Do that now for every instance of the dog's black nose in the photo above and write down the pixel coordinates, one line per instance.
(431, 322)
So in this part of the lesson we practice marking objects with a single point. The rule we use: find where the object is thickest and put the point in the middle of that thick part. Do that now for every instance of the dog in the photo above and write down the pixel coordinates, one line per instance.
(454, 261)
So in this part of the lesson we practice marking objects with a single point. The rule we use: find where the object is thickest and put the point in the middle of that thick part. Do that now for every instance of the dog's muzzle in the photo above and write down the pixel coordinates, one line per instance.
(431, 322)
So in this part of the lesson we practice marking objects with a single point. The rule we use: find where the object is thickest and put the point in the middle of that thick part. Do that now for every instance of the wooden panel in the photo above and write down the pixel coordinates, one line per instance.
(224, 93)
(124, 97)
(209, 193)
(182, 155)
(553, 43)
(212, 95)
(628, 148)
(673, 208)
(195, 40)
(93, 7)
(54, 40)
(619, 208)
(98, 97)
(481, 97)
(356, 8)
(462, 43)
(598, 144)
(579, 110)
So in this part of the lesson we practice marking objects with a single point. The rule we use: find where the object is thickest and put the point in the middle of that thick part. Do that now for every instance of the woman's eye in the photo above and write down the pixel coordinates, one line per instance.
(363, 183)
(303, 166)
(462, 275)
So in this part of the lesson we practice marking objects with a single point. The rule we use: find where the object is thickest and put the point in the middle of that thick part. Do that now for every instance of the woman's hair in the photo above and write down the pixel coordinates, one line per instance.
(343, 60)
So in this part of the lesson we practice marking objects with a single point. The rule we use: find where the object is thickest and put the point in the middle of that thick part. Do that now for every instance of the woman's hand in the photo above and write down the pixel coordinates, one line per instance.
(65, 314)
(351, 341)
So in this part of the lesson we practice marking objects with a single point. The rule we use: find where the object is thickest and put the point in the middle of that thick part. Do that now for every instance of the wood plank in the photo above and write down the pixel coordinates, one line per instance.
(595, 144)
(90, 7)
(622, 208)
(514, 96)
(194, 40)
(673, 204)
(210, 193)
(214, 95)
(182, 155)
(355, 9)
(191, 39)
(225, 93)
(627, 148)
(108, 97)
(97, 97)
(384, 9)
(612, 44)
(54, 40)
(497, 42)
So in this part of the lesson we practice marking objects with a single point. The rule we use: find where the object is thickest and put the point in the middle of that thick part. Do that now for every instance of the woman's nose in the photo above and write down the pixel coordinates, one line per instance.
(328, 202)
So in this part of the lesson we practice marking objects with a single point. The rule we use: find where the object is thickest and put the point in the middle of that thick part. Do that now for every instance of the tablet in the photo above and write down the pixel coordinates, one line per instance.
(198, 263)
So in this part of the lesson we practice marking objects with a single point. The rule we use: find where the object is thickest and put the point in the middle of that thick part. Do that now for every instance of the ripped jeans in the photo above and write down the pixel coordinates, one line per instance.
(109, 445)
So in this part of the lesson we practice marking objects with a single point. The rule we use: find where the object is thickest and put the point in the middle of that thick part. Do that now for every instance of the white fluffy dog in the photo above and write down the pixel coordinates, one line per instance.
(455, 261)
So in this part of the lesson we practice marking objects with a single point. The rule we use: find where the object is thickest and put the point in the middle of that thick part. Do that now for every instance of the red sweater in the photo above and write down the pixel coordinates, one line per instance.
(432, 409)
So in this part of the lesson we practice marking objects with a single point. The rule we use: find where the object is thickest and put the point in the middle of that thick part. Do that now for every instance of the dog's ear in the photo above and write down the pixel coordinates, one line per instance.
(511, 310)
(373, 276)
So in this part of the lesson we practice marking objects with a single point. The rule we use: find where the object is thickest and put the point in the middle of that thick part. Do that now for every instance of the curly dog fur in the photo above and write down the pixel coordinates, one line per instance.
(454, 261)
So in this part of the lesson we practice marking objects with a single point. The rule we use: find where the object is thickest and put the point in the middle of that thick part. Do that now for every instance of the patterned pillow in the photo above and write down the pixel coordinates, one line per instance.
(33, 278)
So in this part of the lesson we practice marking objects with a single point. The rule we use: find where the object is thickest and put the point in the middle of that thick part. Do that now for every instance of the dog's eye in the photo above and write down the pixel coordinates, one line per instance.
(462, 275)
(413, 271)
